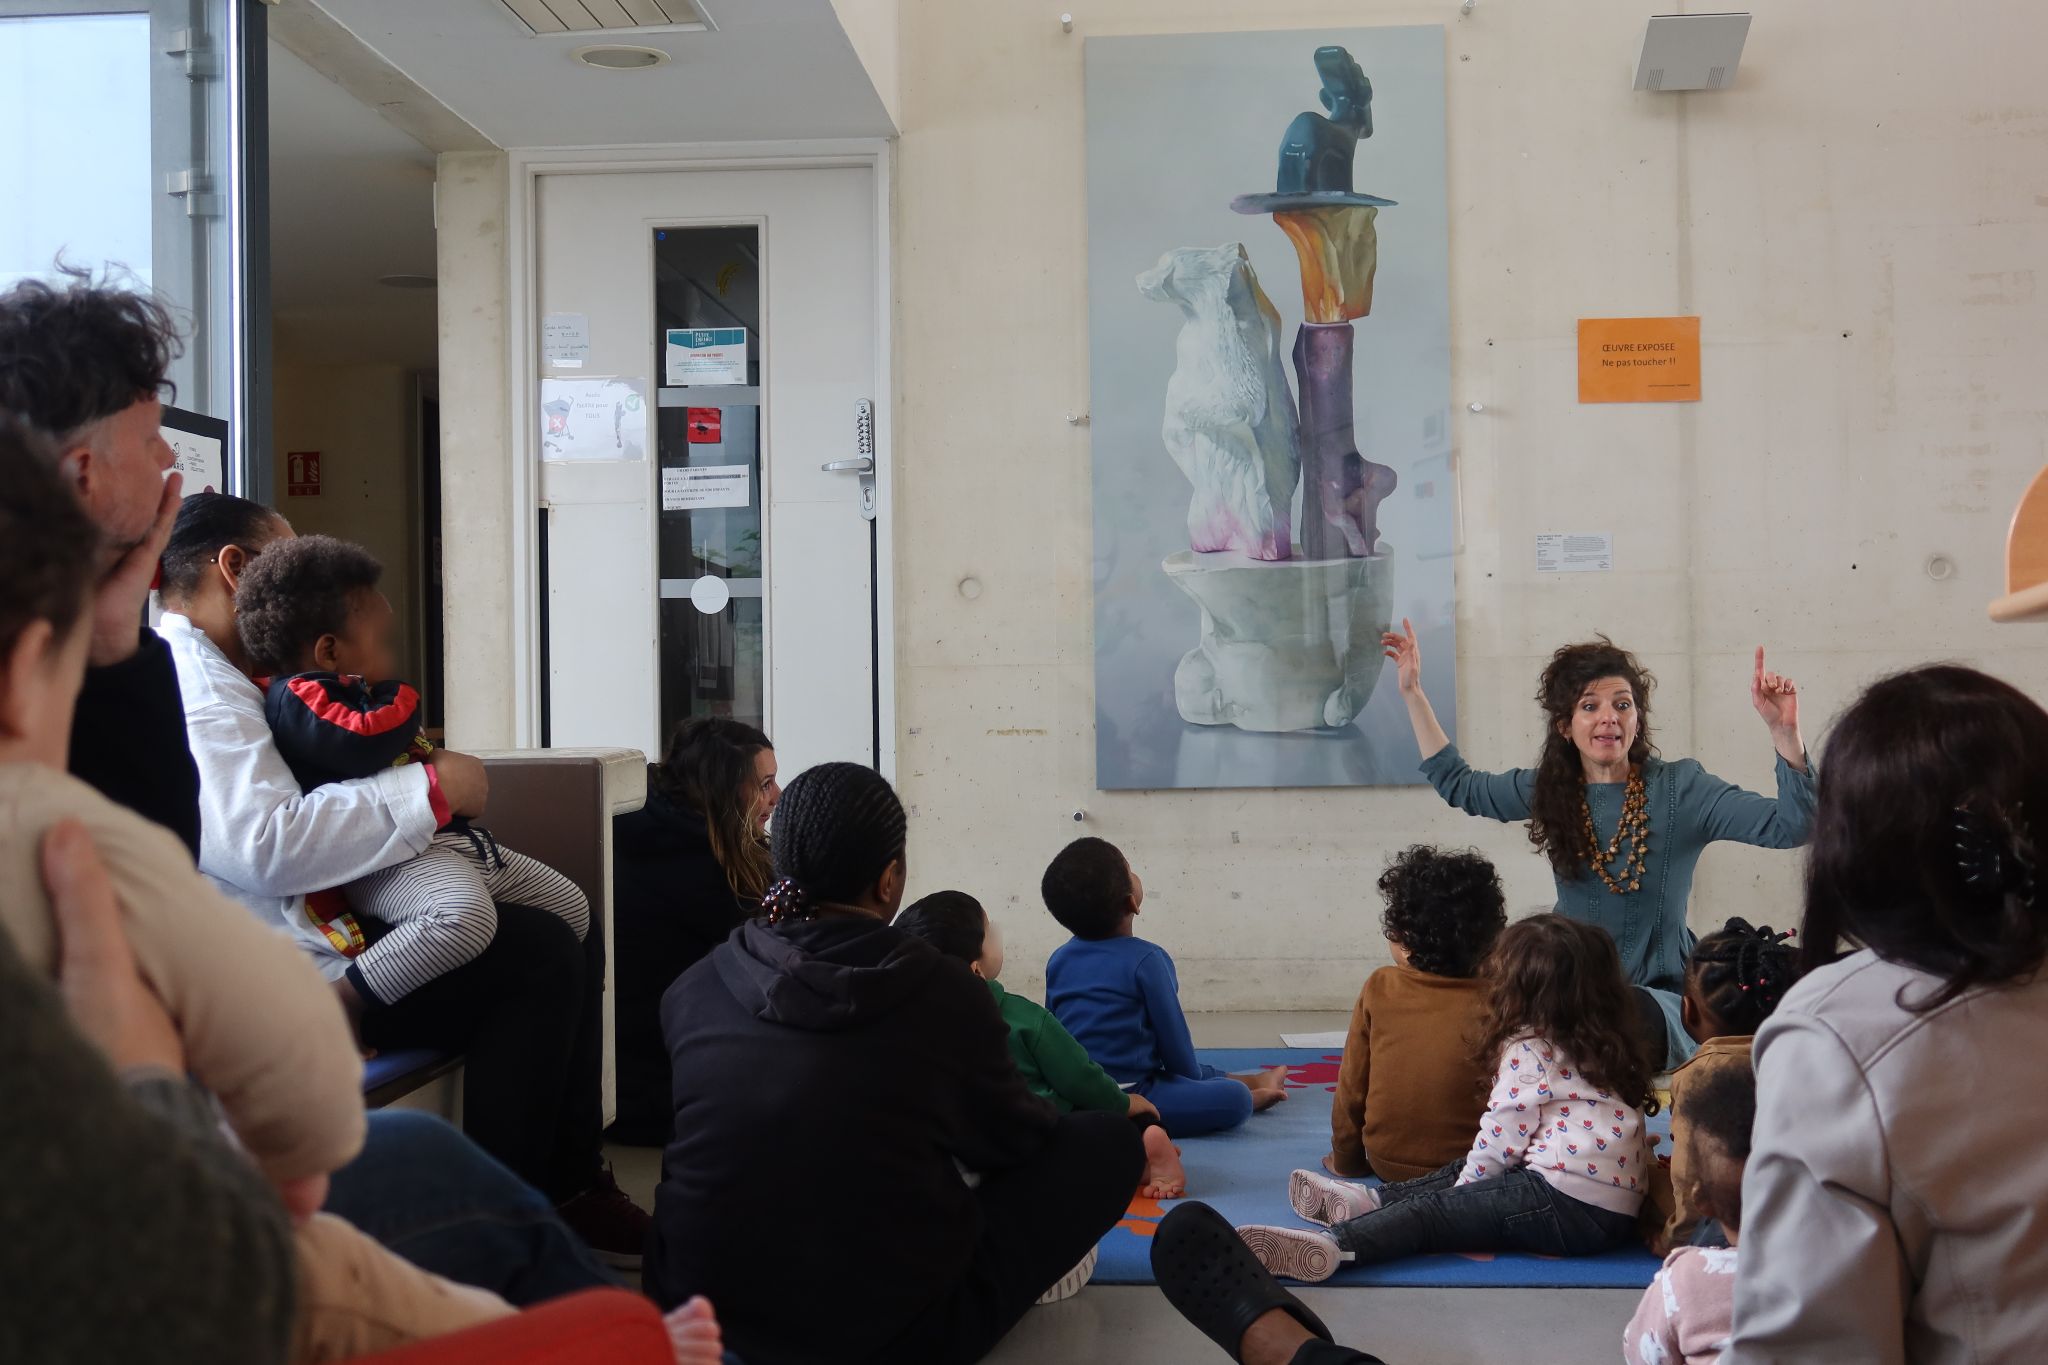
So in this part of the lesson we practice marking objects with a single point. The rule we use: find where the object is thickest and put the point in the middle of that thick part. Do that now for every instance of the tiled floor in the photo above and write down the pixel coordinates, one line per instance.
(1134, 1325)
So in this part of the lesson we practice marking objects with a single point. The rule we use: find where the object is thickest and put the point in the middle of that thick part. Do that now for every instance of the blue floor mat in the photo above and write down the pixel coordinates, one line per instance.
(1243, 1174)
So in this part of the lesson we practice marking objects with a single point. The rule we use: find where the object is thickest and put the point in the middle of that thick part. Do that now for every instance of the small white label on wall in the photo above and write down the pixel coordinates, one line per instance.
(1575, 552)
(565, 340)
(728, 485)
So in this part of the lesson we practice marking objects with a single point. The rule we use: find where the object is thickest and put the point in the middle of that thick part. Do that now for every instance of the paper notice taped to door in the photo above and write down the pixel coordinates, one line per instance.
(706, 355)
(684, 490)
(1575, 552)
(565, 340)
(593, 419)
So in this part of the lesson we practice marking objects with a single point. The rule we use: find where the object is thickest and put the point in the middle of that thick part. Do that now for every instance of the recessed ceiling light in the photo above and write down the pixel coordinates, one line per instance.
(407, 281)
(620, 57)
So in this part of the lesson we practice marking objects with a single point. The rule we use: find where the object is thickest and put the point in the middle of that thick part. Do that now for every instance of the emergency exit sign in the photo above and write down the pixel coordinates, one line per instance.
(302, 474)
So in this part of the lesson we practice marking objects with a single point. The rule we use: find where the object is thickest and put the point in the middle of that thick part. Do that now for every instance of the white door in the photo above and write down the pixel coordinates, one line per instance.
(715, 566)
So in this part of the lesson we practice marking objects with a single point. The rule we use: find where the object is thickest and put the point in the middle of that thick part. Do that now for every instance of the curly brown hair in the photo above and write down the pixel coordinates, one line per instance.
(1444, 906)
(297, 591)
(1561, 981)
(76, 349)
(1557, 806)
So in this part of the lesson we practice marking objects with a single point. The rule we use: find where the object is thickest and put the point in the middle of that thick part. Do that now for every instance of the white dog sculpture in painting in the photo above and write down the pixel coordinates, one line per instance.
(1230, 422)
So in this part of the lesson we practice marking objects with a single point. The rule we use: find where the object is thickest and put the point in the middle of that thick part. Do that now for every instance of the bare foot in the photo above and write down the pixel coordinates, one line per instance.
(693, 1331)
(1264, 1099)
(1165, 1177)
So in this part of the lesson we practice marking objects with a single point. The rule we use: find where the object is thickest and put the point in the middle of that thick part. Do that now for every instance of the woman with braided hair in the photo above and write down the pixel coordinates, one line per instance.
(1623, 829)
(832, 1075)
(1892, 1205)
(1736, 978)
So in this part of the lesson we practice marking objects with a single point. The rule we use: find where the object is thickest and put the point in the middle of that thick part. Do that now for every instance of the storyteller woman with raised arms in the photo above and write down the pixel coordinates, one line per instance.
(1622, 828)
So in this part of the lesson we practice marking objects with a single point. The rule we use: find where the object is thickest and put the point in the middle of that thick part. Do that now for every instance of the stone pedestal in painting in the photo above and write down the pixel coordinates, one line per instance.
(1285, 645)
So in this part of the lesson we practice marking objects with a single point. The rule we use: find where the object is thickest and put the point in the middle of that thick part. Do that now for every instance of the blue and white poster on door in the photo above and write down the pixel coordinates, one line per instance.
(1269, 341)
(706, 355)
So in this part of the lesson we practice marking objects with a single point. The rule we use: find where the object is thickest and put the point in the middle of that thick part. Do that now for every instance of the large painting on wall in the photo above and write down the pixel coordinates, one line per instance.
(1270, 362)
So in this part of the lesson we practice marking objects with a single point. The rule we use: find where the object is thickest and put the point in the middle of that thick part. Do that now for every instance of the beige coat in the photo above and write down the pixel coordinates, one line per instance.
(1895, 1207)
(263, 1031)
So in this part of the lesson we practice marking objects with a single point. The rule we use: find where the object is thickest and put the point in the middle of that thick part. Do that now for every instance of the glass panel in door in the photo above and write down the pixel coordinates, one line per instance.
(711, 540)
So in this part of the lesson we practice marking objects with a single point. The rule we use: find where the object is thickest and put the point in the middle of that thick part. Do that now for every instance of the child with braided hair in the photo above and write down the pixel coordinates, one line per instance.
(1736, 978)
(831, 1076)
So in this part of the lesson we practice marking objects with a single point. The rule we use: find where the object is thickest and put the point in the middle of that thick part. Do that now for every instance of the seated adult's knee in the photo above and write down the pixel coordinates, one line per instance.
(539, 944)
(1116, 1146)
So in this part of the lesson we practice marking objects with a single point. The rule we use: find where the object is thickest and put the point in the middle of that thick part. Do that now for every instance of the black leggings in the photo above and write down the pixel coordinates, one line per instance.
(526, 1013)
(1037, 1222)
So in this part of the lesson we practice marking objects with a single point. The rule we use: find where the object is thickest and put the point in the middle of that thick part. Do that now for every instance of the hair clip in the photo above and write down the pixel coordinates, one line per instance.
(1987, 852)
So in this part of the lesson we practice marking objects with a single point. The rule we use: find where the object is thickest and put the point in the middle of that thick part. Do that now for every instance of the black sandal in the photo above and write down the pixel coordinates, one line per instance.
(1212, 1279)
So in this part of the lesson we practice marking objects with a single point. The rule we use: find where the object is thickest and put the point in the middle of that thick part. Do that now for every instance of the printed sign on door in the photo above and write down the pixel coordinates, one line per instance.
(302, 474)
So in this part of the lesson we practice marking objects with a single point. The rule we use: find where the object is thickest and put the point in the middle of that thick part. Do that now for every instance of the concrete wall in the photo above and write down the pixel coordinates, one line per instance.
(476, 450)
(360, 418)
(1859, 224)
(871, 26)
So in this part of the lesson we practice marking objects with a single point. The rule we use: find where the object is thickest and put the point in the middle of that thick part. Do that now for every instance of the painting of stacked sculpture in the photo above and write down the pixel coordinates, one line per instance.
(1269, 345)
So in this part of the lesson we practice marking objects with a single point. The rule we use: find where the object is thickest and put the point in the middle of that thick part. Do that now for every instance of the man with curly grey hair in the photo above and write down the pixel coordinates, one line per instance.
(86, 363)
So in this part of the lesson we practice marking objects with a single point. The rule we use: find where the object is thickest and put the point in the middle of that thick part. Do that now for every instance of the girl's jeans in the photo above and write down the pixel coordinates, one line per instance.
(1517, 1210)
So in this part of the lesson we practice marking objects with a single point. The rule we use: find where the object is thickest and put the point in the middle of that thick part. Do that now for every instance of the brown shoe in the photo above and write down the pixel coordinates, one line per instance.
(611, 1224)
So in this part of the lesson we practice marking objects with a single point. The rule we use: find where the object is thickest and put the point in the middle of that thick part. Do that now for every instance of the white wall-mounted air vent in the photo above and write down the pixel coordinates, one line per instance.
(1691, 51)
(608, 16)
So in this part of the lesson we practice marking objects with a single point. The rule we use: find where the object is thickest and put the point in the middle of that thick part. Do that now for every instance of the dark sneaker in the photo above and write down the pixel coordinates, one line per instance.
(612, 1225)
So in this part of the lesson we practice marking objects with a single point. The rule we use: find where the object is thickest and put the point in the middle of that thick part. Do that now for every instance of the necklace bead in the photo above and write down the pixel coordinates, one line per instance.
(1632, 828)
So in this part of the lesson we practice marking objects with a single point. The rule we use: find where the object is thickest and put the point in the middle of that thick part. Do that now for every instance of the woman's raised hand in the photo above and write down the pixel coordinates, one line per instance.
(1406, 652)
(1775, 696)
(1776, 699)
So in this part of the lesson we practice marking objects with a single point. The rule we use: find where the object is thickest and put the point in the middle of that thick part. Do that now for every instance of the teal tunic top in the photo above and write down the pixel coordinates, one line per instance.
(1689, 808)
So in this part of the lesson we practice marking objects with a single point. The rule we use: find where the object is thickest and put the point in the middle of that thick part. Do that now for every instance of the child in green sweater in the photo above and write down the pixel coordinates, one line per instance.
(1053, 1065)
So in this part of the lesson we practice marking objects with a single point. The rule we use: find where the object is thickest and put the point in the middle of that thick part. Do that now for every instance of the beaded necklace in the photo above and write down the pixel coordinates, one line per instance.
(1634, 827)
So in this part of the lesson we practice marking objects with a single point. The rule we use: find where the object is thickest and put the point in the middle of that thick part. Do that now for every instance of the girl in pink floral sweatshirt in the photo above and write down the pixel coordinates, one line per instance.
(1557, 1166)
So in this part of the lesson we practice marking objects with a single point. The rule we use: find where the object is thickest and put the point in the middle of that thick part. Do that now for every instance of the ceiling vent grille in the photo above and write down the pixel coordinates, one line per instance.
(608, 16)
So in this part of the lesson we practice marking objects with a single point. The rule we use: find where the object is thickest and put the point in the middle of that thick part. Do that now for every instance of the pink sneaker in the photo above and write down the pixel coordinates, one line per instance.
(1298, 1255)
(1320, 1199)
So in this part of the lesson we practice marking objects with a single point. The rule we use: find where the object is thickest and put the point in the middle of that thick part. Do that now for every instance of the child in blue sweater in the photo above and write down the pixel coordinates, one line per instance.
(1118, 995)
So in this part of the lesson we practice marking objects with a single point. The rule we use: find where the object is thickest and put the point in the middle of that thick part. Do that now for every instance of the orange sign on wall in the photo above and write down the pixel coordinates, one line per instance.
(1639, 360)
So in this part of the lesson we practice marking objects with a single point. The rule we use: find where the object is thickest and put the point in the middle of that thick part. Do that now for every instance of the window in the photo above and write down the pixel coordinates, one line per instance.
(129, 124)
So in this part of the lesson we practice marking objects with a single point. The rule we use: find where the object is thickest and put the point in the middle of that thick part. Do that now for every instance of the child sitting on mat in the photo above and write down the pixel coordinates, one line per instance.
(1736, 978)
(1119, 997)
(1053, 1065)
(309, 611)
(1688, 1310)
(1409, 1090)
(1557, 1165)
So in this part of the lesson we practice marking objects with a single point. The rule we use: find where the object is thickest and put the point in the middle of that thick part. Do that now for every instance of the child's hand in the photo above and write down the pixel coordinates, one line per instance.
(1140, 1105)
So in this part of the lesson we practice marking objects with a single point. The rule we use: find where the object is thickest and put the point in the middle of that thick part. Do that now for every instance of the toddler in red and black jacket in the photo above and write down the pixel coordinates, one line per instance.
(309, 610)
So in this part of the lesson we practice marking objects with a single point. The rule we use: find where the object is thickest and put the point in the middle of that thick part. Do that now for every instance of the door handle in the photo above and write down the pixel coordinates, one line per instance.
(863, 465)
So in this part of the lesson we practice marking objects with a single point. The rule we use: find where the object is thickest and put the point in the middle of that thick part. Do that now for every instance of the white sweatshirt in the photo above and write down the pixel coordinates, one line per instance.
(262, 840)
(1542, 1114)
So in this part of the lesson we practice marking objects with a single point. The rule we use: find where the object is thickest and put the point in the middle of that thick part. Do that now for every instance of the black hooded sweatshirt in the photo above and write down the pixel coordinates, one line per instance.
(827, 1075)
